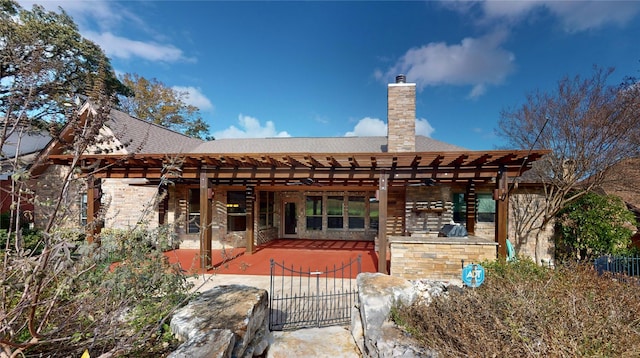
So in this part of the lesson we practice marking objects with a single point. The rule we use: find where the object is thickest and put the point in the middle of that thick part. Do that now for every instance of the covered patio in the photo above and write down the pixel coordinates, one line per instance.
(301, 254)
(387, 175)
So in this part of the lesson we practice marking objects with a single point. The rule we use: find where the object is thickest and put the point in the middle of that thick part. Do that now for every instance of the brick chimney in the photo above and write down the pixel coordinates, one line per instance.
(401, 116)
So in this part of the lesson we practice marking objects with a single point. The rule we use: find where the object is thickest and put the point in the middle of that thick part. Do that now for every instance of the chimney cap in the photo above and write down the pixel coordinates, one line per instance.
(401, 78)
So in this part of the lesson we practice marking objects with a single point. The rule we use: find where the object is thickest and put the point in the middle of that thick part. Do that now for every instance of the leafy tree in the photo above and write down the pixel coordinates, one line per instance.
(595, 225)
(587, 123)
(154, 102)
(44, 62)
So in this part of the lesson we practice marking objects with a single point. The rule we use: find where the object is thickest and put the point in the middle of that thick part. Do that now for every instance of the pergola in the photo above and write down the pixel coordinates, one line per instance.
(333, 171)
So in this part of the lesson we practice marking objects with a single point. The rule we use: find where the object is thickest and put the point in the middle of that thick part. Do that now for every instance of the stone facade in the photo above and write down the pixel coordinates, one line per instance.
(437, 258)
(128, 202)
(401, 117)
(48, 187)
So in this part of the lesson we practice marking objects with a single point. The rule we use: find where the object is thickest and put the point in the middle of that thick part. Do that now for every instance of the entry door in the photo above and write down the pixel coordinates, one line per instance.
(290, 220)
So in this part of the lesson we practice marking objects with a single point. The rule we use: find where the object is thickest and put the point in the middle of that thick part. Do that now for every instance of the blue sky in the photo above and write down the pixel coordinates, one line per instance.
(320, 69)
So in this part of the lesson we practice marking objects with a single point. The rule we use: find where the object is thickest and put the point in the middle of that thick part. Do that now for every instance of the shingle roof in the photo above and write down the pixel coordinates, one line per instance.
(316, 145)
(148, 138)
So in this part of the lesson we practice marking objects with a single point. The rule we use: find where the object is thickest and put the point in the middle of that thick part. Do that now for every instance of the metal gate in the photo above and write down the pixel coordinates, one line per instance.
(304, 299)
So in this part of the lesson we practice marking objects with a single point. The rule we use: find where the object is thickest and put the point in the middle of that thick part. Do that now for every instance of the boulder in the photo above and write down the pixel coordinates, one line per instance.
(378, 293)
(230, 320)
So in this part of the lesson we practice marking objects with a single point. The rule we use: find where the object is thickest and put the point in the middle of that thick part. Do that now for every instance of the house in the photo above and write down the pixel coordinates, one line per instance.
(19, 150)
(246, 192)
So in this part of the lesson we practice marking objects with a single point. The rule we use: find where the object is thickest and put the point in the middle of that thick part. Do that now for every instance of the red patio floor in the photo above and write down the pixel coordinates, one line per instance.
(302, 254)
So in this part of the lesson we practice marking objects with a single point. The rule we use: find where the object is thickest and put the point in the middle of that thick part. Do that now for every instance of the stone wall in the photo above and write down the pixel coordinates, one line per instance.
(47, 188)
(128, 202)
(436, 258)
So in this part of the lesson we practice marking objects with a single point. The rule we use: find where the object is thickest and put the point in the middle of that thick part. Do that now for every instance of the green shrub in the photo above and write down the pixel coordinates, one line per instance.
(94, 303)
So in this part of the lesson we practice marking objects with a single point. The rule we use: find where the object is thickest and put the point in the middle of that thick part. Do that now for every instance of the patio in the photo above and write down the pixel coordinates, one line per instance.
(301, 254)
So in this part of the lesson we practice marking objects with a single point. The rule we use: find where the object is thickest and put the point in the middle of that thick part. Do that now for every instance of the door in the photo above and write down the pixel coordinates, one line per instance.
(290, 220)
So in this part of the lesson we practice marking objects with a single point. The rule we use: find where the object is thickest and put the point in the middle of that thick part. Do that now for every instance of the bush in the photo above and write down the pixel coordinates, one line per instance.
(526, 310)
(594, 225)
(87, 302)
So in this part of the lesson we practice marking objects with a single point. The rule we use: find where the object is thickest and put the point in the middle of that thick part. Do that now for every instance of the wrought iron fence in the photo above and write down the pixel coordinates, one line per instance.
(312, 298)
(626, 265)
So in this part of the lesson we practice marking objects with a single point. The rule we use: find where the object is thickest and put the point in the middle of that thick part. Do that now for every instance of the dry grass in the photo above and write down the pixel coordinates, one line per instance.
(523, 310)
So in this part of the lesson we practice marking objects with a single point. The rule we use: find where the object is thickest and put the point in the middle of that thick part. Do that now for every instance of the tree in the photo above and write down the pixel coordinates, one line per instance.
(589, 125)
(154, 102)
(594, 225)
(57, 293)
(44, 63)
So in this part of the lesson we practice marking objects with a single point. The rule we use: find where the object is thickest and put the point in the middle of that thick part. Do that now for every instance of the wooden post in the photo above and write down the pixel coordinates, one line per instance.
(250, 199)
(470, 215)
(94, 194)
(205, 222)
(501, 196)
(382, 225)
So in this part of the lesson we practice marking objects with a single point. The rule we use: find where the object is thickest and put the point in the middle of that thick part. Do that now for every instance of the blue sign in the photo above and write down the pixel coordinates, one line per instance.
(473, 275)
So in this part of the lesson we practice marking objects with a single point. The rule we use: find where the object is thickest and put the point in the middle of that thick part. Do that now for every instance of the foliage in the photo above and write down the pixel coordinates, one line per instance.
(525, 310)
(44, 62)
(595, 225)
(154, 102)
(587, 124)
(119, 308)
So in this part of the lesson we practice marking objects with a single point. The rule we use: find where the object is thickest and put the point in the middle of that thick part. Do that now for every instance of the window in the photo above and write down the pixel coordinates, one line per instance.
(236, 211)
(193, 223)
(374, 213)
(459, 208)
(83, 209)
(313, 210)
(356, 211)
(335, 205)
(485, 208)
(266, 208)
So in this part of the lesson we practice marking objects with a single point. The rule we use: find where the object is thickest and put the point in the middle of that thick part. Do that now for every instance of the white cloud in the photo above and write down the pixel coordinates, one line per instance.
(423, 127)
(195, 97)
(473, 62)
(99, 20)
(121, 47)
(374, 127)
(574, 16)
(250, 127)
(368, 127)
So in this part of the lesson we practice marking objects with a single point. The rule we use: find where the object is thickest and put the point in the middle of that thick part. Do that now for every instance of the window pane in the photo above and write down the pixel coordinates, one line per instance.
(313, 212)
(265, 216)
(193, 224)
(236, 223)
(83, 209)
(335, 222)
(237, 202)
(314, 222)
(356, 223)
(459, 208)
(486, 208)
(356, 212)
(314, 205)
(373, 213)
(236, 211)
(334, 205)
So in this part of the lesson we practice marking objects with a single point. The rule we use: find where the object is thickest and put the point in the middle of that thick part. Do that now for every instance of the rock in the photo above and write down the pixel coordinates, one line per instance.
(378, 293)
(329, 342)
(395, 343)
(238, 309)
(217, 343)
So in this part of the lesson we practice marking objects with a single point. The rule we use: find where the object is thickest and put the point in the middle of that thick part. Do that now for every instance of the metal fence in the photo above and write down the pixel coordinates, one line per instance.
(625, 265)
(305, 298)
